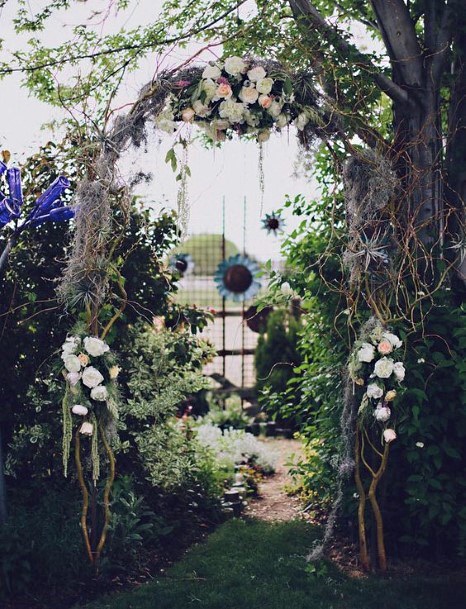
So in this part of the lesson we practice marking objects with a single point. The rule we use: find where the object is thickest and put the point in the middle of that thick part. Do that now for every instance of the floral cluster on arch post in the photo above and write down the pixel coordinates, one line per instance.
(236, 95)
(375, 365)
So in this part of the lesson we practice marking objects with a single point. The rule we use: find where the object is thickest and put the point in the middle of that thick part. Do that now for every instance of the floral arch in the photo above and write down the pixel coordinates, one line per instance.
(250, 98)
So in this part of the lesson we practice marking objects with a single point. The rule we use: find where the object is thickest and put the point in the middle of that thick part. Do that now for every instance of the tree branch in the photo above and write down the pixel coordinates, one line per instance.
(400, 39)
(309, 17)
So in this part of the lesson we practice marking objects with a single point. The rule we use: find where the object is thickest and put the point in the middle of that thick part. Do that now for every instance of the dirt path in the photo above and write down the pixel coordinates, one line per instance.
(273, 504)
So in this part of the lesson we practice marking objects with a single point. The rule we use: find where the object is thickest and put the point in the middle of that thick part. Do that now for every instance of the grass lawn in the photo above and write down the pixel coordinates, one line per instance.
(259, 565)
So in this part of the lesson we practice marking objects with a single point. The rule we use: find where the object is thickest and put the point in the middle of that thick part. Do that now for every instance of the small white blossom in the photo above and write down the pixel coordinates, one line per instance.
(399, 371)
(389, 435)
(374, 391)
(87, 429)
(73, 378)
(72, 363)
(382, 414)
(99, 393)
(79, 410)
(393, 339)
(420, 444)
(366, 353)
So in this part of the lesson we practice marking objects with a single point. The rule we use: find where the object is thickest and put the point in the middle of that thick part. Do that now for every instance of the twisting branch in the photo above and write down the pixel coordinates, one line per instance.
(309, 17)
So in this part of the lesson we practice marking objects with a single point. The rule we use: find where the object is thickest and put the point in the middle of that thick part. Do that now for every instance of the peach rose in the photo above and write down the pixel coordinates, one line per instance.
(385, 347)
(84, 359)
(265, 101)
(389, 435)
(223, 90)
(187, 115)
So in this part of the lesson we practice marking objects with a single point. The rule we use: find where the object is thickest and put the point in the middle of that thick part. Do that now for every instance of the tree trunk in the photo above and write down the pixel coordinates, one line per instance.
(3, 508)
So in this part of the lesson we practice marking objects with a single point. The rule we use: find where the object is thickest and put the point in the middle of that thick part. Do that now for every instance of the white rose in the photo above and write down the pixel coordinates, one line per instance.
(210, 87)
(99, 393)
(393, 339)
(257, 73)
(282, 120)
(94, 346)
(73, 378)
(374, 391)
(382, 414)
(366, 353)
(383, 367)
(91, 377)
(70, 346)
(87, 429)
(72, 363)
(211, 71)
(231, 110)
(275, 109)
(264, 85)
(79, 410)
(399, 371)
(301, 121)
(235, 65)
(389, 435)
(248, 95)
(200, 109)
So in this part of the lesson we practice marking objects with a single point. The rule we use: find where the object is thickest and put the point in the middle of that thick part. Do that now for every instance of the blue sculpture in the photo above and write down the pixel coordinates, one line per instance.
(47, 208)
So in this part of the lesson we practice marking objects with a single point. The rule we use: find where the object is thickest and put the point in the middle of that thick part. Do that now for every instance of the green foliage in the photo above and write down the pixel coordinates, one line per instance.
(206, 251)
(252, 565)
(227, 414)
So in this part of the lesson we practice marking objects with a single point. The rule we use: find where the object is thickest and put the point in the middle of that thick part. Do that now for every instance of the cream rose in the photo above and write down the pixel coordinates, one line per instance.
(72, 363)
(234, 66)
(399, 371)
(99, 393)
(231, 110)
(73, 378)
(257, 73)
(87, 429)
(366, 353)
(70, 346)
(79, 410)
(264, 85)
(248, 95)
(275, 109)
(200, 109)
(187, 115)
(91, 377)
(95, 346)
(212, 72)
(382, 414)
(383, 367)
(389, 435)
(374, 391)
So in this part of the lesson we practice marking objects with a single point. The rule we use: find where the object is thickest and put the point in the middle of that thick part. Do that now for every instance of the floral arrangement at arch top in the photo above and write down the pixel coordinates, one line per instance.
(91, 395)
(236, 95)
(375, 365)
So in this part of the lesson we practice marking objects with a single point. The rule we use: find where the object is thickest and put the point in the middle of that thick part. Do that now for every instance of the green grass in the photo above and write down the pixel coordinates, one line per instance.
(258, 565)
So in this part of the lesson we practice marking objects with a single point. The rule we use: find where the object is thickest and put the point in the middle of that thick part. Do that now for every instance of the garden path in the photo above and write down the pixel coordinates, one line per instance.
(273, 503)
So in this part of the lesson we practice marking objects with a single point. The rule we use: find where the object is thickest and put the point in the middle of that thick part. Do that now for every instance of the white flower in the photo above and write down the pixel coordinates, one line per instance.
(382, 414)
(263, 135)
(210, 87)
(92, 377)
(265, 101)
(264, 85)
(389, 435)
(251, 119)
(70, 346)
(187, 115)
(393, 339)
(383, 367)
(223, 90)
(114, 371)
(94, 346)
(275, 109)
(421, 360)
(257, 73)
(73, 378)
(285, 289)
(399, 371)
(235, 65)
(420, 444)
(211, 71)
(87, 429)
(374, 391)
(301, 121)
(282, 120)
(72, 363)
(200, 109)
(366, 353)
(248, 95)
(231, 110)
(99, 393)
(80, 410)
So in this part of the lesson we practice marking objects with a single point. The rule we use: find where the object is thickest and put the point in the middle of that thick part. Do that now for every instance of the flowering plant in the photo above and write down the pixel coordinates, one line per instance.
(91, 395)
(236, 95)
(375, 365)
